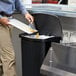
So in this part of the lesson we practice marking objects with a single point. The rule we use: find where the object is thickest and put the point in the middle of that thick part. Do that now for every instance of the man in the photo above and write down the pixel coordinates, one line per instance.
(7, 56)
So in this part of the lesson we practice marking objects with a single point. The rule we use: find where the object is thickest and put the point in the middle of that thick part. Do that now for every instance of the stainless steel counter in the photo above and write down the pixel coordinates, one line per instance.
(67, 60)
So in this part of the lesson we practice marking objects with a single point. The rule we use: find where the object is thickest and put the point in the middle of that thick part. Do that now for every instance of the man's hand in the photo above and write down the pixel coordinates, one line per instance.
(4, 21)
(29, 17)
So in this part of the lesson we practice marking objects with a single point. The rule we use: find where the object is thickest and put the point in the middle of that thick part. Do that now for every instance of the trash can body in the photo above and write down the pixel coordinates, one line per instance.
(33, 53)
(32, 56)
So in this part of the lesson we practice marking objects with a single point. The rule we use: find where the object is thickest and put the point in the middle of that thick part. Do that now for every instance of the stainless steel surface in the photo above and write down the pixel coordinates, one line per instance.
(63, 61)
(64, 57)
(52, 71)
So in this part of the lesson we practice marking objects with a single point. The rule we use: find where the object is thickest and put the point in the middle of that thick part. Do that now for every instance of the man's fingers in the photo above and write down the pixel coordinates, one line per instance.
(4, 20)
(30, 20)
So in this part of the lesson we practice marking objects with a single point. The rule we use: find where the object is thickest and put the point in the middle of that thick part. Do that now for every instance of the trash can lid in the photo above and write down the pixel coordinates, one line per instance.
(47, 24)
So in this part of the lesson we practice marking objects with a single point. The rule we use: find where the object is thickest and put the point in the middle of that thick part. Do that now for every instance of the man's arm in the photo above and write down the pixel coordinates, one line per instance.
(20, 7)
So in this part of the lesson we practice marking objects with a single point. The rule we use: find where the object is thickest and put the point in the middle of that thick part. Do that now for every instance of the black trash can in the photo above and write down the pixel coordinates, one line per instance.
(33, 53)
(34, 50)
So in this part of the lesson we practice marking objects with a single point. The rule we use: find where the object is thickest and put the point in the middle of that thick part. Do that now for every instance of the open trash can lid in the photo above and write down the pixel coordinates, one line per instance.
(47, 24)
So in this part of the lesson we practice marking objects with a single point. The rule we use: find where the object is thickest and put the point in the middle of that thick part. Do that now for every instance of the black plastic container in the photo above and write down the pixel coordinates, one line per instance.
(33, 53)
(35, 50)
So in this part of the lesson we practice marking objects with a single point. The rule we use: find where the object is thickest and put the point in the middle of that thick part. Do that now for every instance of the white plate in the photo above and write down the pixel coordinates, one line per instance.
(22, 26)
